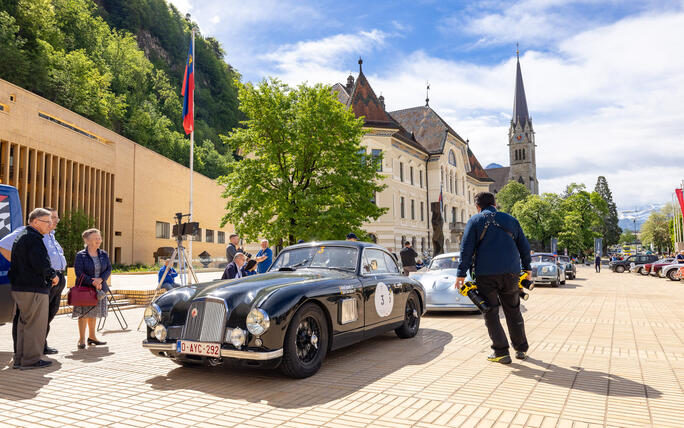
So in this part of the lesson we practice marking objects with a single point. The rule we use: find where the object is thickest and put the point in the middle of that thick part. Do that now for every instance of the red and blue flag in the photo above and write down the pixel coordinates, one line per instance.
(188, 92)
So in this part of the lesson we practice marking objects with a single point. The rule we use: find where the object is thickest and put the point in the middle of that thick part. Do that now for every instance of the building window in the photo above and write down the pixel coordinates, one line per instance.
(453, 214)
(72, 127)
(163, 230)
(221, 237)
(452, 158)
(377, 158)
(209, 235)
(413, 209)
(411, 175)
(422, 245)
(420, 177)
(401, 206)
(422, 217)
(413, 242)
(523, 154)
(401, 172)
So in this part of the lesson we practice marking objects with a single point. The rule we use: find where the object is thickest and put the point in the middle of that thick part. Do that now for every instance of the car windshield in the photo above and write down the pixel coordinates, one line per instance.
(444, 263)
(565, 259)
(543, 259)
(317, 257)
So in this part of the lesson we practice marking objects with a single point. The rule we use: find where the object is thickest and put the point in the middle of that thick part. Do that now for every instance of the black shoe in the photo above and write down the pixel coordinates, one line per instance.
(39, 365)
(16, 364)
(49, 351)
(81, 345)
(95, 342)
(503, 359)
(520, 355)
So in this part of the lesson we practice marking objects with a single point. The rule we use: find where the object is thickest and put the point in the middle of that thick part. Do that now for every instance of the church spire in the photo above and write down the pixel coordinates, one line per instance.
(520, 114)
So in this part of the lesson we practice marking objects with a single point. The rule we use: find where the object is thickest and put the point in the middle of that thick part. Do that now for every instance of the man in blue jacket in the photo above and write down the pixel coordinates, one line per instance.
(495, 247)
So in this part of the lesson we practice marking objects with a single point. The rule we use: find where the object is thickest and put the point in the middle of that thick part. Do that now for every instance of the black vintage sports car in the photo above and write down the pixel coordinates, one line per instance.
(315, 298)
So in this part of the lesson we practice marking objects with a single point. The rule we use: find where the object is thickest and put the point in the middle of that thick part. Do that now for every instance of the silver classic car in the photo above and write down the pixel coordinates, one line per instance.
(547, 269)
(439, 279)
(570, 269)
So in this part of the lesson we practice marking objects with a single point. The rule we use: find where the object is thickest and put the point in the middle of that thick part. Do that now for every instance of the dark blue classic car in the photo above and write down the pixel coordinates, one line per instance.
(315, 298)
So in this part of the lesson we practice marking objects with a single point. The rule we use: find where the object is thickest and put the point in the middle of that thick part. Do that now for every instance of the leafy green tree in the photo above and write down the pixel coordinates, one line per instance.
(573, 189)
(580, 221)
(69, 230)
(656, 231)
(303, 173)
(511, 193)
(539, 219)
(627, 237)
(610, 230)
(15, 62)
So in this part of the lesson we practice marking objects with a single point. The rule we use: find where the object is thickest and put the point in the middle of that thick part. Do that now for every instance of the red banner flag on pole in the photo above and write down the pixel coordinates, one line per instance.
(680, 198)
(188, 92)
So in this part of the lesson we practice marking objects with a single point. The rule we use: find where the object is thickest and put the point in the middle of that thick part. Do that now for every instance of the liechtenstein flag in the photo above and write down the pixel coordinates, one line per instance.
(188, 92)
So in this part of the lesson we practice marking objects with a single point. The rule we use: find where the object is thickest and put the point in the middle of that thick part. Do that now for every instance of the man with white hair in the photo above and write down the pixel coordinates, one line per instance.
(264, 257)
(234, 268)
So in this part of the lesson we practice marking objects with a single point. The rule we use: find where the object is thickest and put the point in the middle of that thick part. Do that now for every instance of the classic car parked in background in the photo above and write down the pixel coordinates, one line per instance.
(570, 269)
(547, 269)
(673, 271)
(438, 280)
(316, 297)
(620, 266)
(657, 266)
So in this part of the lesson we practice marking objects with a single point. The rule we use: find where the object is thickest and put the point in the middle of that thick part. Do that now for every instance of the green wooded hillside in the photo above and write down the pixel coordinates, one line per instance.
(120, 63)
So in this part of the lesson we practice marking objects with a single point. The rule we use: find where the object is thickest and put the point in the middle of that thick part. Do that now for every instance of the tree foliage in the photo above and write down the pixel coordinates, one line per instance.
(582, 216)
(123, 72)
(656, 230)
(304, 174)
(69, 230)
(539, 217)
(627, 237)
(511, 193)
(609, 230)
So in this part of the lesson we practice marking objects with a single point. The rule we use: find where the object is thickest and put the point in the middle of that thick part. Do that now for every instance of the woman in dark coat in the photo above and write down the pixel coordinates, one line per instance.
(92, 267)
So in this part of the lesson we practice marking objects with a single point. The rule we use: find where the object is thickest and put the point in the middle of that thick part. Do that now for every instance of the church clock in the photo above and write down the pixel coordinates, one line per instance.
(518, 137)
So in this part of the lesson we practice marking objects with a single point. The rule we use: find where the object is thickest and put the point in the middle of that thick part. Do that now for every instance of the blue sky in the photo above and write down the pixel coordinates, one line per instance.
(604, 79)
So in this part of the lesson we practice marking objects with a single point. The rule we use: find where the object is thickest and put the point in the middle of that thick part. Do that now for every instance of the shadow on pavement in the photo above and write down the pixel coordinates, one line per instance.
(90, 354)
(343, 372)
(571, 285)
(598, 382)
(16, 385)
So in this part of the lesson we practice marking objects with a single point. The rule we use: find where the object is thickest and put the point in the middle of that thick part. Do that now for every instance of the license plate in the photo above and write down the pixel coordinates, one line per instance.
(198, 348)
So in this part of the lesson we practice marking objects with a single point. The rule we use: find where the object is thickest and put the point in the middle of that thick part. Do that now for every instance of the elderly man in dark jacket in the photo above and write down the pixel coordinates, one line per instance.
(496, 244)
(235, 268)
(31, 276)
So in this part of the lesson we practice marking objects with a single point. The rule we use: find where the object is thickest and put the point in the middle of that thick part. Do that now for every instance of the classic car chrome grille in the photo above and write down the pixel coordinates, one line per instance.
(208, 323)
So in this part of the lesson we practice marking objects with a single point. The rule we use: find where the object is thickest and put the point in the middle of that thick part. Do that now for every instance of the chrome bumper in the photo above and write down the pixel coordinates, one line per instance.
(451, 307)
(228, 353)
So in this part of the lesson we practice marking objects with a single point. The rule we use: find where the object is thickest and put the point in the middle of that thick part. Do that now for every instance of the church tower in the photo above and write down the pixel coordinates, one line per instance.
(521, 139)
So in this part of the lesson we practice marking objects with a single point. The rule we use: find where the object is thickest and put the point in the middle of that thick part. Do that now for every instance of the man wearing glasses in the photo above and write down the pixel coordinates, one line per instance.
(57, 262)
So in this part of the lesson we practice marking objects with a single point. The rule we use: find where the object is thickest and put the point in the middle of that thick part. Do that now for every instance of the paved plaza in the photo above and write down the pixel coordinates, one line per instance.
(606, 350)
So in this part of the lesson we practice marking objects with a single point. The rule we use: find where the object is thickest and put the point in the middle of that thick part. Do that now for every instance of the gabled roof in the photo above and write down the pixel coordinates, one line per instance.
(476, 170)
(364, 102)
(499, 177)
(520, 113)
(426, 125)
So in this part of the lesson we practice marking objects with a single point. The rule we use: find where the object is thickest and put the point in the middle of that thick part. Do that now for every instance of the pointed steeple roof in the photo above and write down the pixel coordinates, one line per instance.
(520, 113)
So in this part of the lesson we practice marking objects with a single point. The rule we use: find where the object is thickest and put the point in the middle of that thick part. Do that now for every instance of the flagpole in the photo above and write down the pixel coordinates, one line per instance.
(192, 139)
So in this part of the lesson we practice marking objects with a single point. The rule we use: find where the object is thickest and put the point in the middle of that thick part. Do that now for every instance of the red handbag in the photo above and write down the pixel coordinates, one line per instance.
(82, 295)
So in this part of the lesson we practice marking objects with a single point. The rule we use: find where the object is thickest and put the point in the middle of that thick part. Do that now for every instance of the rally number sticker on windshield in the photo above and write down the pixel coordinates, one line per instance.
(384, 299)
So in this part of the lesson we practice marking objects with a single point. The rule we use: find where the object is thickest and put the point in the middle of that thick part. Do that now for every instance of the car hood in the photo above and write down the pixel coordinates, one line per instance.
(443, 278)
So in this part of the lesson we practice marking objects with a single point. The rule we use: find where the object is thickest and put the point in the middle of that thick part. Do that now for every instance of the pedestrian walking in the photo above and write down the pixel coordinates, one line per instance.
(264, 257)
(31, 277)
(408, 258)
(58, 263)
(597, 263)
(234, 268)
(232, 248)
(494, 247)
(93, 268)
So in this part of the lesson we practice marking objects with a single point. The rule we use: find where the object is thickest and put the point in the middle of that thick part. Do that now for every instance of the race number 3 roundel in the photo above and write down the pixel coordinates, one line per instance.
(384, 299)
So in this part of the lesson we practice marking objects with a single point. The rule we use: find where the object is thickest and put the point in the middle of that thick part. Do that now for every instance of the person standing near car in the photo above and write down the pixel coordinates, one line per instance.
(58, 263)
(680, 257)
(408, 258)
(597, 263)
(264, 257)
(32, 276)
(232, 248)
(495, 247)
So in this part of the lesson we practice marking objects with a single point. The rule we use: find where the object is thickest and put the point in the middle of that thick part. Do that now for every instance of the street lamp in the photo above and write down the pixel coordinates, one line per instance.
(634, 218)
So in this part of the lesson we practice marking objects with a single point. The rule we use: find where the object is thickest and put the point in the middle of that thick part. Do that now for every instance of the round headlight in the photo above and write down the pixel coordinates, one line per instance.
(257, 321)
(160, 333)
(152, 315)
(238, 337)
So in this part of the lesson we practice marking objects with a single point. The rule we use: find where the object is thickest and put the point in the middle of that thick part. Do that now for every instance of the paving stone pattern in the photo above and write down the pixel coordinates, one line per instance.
(607, 350)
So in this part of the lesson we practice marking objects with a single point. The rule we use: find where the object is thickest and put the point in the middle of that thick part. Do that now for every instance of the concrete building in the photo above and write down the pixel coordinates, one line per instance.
(521, 145)
(422, 157)
(57, 158)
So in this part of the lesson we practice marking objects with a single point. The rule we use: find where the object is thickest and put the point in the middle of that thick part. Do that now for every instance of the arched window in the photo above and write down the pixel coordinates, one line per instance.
(446, 245)
(413, 242)
(452, 158)
(523, 154)
(422, 245)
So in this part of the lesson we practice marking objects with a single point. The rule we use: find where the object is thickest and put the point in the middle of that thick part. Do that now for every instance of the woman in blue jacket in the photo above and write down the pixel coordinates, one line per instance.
(92, 267)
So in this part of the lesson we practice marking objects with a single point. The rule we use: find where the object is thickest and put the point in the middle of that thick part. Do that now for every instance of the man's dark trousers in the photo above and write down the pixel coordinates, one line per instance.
(502, 290)
(54, 300)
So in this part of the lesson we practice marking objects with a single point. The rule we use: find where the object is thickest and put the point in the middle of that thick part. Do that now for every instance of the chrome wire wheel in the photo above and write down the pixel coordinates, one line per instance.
(307, 339)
